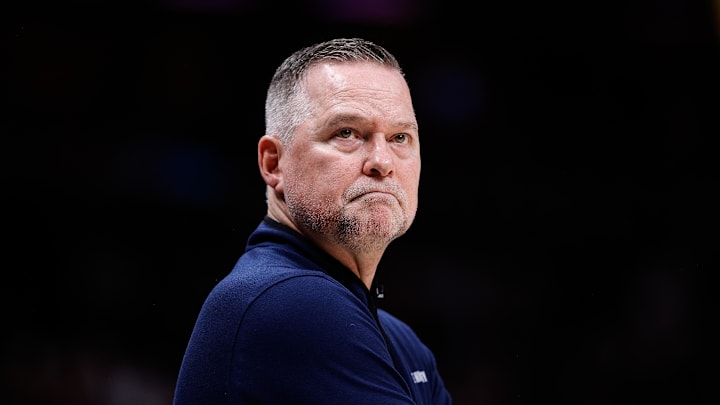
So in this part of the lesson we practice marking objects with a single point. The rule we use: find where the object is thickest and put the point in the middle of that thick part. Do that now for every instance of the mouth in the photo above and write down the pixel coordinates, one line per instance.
(375, 193)
(375, 196)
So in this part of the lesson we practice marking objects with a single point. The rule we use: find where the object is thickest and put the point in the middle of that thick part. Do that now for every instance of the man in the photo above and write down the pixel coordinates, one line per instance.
(295, 321)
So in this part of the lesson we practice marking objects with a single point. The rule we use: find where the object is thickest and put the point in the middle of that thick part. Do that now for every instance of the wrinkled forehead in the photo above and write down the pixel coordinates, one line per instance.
(360, 74)
(336, 83)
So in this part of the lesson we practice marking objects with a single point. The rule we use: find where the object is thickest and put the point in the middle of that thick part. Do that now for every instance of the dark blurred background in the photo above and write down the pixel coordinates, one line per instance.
(566, 241)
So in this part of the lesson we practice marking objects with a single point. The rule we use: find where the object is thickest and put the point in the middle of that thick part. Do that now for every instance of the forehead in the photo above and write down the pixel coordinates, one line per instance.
(363, 85)
(364, 75)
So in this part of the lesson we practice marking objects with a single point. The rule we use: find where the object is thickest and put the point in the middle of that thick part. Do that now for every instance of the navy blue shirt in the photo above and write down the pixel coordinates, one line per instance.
(292, 325)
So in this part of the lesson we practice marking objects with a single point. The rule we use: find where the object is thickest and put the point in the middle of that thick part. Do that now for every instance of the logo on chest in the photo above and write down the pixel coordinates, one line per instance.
(419, 376)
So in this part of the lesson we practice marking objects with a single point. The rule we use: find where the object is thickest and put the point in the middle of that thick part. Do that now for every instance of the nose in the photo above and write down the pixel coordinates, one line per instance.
(379, 161)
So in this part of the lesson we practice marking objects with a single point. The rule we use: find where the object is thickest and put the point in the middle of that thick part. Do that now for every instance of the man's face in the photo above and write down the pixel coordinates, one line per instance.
(352, 171)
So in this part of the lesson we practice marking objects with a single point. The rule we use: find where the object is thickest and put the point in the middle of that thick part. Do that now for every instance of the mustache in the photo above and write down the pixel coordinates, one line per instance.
(357, 190)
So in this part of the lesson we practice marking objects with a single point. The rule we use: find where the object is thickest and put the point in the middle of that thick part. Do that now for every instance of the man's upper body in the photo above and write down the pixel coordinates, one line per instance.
(292, 325)
(341, 164)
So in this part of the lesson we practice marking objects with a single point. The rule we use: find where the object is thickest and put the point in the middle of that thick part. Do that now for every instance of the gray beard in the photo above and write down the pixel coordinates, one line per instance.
(346, 230)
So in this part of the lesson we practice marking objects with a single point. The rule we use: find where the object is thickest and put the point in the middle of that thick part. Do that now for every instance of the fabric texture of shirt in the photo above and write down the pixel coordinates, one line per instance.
(291, 325)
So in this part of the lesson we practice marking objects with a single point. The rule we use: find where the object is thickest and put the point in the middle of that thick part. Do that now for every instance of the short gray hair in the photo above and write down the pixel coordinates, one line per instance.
(285, 107)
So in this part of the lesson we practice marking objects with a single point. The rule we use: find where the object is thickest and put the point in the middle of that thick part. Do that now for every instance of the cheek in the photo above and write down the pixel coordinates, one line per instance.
(411, 186)
(412, 180)
(321, 180)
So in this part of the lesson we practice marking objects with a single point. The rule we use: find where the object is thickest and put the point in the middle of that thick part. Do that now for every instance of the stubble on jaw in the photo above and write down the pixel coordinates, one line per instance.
(367, 224)
(373, 230)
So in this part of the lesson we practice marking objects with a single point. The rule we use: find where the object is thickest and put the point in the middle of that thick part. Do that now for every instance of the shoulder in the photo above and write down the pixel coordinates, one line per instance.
(405, 339)
(396, 327)
(314, 304)
(417, 362)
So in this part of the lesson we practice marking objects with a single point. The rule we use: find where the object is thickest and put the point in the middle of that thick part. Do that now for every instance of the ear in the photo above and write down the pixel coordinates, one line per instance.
(269, 152)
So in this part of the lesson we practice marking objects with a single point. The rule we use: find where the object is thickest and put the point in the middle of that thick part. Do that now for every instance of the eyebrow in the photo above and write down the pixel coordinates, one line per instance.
(352, 119)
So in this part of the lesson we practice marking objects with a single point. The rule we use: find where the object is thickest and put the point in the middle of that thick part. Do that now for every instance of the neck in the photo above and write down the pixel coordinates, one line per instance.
(364, 264)
(361, 257)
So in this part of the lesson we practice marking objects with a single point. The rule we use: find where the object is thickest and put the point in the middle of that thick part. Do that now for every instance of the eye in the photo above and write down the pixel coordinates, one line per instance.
(345, 133)
(401, 138)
